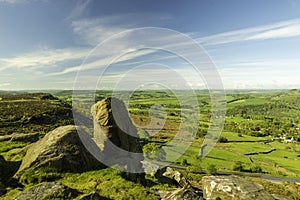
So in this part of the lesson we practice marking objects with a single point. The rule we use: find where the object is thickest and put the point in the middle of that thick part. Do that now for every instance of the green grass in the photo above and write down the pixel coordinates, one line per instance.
(231, 136)
(7, 146)
(107, 183)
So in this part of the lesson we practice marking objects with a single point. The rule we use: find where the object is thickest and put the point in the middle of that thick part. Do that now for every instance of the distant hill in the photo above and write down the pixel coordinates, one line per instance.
(32, 112)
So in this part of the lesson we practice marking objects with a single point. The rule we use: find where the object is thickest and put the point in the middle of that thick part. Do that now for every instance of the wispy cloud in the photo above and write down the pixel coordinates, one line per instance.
(42, 58)
(104, 62)
(92, 31)
(292, 62)
(80, 8)
(20, 1)
(4, 84)
(284, 29)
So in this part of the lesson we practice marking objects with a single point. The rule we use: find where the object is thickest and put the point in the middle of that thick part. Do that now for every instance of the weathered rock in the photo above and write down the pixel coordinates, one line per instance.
(176, 176)
(117, 137)
(280, 197)
(61, 149)
(50, 190)
(179, 194)
(172, 177)
(233, 187)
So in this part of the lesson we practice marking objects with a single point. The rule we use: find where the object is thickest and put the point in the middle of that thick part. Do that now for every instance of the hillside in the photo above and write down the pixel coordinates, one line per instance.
(27, 113)
(250, 144)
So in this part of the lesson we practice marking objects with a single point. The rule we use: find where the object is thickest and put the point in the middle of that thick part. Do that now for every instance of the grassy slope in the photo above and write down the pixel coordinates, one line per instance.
(283, 161)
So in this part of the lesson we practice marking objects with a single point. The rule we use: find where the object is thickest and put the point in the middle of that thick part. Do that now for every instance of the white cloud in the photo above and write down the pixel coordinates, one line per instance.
(45, 57)
(80, 8)
(104, 61)
(284, 29)
(281, 32)
(92, 31)
(267, 63)
(262, 74)
(4, 84)
(20, 1)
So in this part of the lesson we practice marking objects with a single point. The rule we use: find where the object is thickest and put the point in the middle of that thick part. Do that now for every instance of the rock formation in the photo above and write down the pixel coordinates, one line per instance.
(172, 177)
(61, 149)
(54, 190)
(51, 190)
(233, 187)
(117, 137)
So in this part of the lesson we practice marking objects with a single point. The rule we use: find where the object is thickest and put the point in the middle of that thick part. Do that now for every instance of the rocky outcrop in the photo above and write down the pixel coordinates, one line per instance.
(172, 177)
(233, 187)
(61, 149)
(45, 191)
(117, 137)
(179, 194)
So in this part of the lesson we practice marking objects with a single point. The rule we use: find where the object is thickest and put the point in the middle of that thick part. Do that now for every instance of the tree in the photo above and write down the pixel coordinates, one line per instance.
(184, 162)
(154, 151)
(256, 169)
(238, 166)
(211, 169)
(196, 167)
(223, 139)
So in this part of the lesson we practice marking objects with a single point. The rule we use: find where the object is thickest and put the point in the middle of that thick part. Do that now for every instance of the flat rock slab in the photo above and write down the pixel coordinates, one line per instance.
(233, 187)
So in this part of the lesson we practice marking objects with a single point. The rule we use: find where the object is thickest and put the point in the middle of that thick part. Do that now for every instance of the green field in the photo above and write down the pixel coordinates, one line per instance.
(249, 142)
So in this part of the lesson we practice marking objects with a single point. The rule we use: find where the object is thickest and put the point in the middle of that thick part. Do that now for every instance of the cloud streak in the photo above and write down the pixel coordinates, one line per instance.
(80, 8)
(45, 57)
(20, 1)
(93, 31)
(284, 29)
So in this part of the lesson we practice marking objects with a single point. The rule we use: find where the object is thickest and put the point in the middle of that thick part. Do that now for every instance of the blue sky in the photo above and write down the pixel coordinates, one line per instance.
(254, 44)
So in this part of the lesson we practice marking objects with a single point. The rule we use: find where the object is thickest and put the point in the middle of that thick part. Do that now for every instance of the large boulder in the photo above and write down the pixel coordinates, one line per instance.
(233, 187)
(117, 137)
(50, 190)
(61, 149)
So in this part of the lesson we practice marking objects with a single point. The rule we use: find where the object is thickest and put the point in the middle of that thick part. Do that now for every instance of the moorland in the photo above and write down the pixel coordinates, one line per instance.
(260, 140)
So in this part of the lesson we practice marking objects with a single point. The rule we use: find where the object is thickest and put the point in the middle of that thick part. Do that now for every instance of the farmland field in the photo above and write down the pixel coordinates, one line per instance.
(255, 139)
(255, 120)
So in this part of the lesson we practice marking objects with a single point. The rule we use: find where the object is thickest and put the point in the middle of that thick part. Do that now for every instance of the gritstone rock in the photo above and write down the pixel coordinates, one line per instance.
(61, 149)
(233, 187)
(117, 137)
(51, 190)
